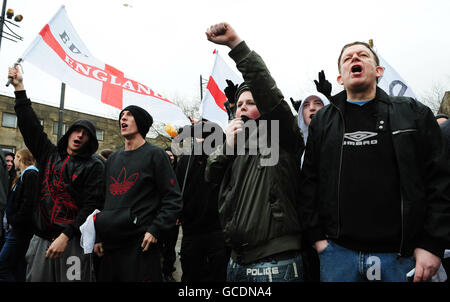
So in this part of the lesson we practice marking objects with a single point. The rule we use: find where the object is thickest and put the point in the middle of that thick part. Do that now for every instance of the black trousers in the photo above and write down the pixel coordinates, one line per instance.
(131, 264)
(311, 262)
(204, 258)
(168, 243)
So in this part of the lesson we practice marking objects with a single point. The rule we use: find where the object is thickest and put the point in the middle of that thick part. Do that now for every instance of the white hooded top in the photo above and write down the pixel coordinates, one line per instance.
(301, 121)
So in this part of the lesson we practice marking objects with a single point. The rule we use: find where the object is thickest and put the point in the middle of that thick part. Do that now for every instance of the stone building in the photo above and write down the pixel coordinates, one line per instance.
(108, 133)
(445, 104)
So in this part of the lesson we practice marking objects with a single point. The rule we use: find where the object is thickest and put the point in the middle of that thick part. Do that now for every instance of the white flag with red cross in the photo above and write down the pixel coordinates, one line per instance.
(59, 51)
(213, 104)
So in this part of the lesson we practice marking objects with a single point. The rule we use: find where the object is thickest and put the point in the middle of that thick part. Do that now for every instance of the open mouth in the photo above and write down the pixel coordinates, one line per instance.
(77, 142)
(311, 116)
(356, 69)
(124, 126)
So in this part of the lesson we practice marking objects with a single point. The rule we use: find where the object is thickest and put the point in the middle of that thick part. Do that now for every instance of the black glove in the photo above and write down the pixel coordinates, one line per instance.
(323, 86)
(296, 104)
(230, 91)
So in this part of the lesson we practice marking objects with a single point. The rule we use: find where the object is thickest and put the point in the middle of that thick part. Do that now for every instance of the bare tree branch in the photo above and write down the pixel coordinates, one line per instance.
(433, 97)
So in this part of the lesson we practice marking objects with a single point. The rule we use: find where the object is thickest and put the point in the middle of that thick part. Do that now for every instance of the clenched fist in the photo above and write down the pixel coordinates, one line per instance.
(223, 34)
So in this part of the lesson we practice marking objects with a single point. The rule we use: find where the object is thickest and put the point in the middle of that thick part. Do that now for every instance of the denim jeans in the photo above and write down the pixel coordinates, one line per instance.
(12, 257)
(290, 270)
(338, 264)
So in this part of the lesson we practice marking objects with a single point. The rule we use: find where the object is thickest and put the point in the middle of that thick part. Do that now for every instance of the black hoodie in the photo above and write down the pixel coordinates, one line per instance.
(141, 195)
(70, 186)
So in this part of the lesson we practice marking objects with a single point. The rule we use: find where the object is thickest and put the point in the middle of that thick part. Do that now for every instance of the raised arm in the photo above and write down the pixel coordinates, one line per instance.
(268, 98)
(223, 34)
(33, 133)
(265, 92)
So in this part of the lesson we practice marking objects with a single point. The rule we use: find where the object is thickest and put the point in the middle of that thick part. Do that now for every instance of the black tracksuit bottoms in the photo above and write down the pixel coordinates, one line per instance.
(131, 264)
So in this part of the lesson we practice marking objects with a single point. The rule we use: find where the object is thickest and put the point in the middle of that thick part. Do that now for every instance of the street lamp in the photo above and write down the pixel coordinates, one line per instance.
(9, 33)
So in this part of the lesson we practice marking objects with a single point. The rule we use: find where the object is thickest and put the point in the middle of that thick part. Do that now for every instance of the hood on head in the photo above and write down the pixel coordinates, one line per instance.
(301, 121)
(244, 86)
(91, 145)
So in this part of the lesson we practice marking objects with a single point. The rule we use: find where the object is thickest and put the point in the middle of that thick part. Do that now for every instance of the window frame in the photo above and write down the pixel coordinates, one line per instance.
(3, 120)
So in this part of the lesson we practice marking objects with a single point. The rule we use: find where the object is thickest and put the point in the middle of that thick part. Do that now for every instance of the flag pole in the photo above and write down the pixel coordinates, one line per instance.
(14, 66)
(61, 111)
(201, 87)
(371, 43)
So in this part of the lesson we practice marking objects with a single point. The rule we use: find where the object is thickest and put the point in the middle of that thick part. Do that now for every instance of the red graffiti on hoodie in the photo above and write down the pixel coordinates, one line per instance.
(122, 184)
(64, 208)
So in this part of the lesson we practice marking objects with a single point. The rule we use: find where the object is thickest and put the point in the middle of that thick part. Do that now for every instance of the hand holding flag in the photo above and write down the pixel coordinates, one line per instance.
(59, 51)
(16, 78)
(14, 66)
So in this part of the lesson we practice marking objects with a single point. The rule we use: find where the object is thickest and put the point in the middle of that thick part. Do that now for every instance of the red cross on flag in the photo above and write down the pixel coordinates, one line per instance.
(212, 107)
(59, 51)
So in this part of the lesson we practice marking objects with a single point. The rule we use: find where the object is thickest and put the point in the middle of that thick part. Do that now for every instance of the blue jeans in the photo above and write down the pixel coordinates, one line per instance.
(290, 270)
(338, 264)
(12, 257)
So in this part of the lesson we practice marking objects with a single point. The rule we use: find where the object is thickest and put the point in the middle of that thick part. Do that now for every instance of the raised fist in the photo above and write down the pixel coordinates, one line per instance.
(223, 34)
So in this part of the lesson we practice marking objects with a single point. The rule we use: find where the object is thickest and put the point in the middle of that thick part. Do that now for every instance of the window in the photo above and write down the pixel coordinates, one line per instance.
(8, 148)
(9, 120)
(55, 128)
(100, 134)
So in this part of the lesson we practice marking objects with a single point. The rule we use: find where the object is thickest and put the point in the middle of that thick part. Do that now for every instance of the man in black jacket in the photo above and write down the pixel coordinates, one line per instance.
(258, 199)
(169, 238)
(203, 252)
(70, 188)
(373, 181)
(142, 201)
(445, 128)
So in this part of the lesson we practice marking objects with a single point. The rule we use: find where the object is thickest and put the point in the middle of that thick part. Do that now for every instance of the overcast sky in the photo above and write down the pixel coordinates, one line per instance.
(162, 44)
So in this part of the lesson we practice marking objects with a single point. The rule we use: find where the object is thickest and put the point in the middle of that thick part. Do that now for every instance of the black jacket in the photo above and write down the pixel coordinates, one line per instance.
(258, 201)
(200, 214)
(21, 201)
(419, 152)
(445, 128)
(70, 186)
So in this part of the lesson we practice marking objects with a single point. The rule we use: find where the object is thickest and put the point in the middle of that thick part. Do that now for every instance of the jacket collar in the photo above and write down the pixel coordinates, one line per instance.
(340, 98)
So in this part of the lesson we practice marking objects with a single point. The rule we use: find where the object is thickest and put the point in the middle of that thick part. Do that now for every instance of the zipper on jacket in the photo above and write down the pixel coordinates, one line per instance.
(339, 176)
(403, 131)
(401, 213)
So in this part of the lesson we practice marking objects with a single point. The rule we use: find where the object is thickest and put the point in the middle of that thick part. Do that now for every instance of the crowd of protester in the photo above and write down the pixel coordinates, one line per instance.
(360, 177)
